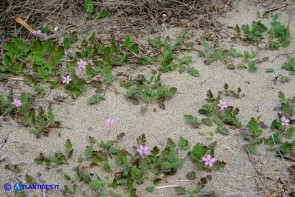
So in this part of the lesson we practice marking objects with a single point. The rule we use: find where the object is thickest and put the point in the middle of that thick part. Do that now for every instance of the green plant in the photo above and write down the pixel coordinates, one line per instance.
(39, 121)
(199, 151)
(282, 135)
(290, 65)
(134, 168)
(269, 70)
(227, 116)
(231, 93)
(90, 11)
(253, 33)
(250, 61)
(285, 79)
(68, 40)
(43, 56)
(198, 189)
(147, 90)
(228, 56)
(131, 169)
(58, 158)
(67, 189)
(193, 121)
(279, 35)
(252, 133)
(167, 58)
(218, 54)
(287, 105)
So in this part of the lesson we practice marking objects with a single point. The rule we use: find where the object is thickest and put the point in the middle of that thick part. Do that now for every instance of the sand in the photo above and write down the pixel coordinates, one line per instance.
(238, 178)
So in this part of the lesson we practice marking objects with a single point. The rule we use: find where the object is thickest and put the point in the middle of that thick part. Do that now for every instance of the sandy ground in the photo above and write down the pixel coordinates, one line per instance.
(236, 179)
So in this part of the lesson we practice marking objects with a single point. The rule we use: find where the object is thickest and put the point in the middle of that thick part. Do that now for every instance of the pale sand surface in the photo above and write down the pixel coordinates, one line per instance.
(236, 179)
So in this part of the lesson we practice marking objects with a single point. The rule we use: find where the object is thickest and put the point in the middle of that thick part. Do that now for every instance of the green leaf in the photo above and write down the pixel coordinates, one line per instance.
(50, 115)
(101, 14)
(156, 43)
(197, 152)
(66, 42)
(38, 161)
(251, 148)
(269, 70)
(254, 128)
(218, 165)
(96, 184)
(290, 65)
(202, 183)
(134, 48)
(182, 191)
(285, 148)
(89, 8)
(67, 177)
(190, 119)
(68, 147)
(191, 175)
(285, 79)
(193, 72)
(206, 47)
(94, 99)
(193, 121)
(185, 59)
(183, 143)
(237, 28)
(222, 130)
(88, 151)
(207, 121)
(252, 67)
(127, 41)
(290, 132)
(83, 176)
(179, 40)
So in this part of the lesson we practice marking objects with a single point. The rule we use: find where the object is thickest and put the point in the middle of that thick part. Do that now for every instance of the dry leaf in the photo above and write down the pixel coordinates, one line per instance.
(24, 24)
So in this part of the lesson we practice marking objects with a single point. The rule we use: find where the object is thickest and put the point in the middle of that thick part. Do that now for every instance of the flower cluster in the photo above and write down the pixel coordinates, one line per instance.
(67, 79)
(38, 32)
(208, 161)
(222, 104)
(81, 64)
(110, 122)
(143, 150)
(285, 121)
(16, 102)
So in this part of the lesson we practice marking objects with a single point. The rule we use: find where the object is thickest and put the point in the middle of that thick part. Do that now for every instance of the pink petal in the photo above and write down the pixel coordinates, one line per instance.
(139, 151)
(210, 164)
(208, 157)
(146, 148)
(213, 160)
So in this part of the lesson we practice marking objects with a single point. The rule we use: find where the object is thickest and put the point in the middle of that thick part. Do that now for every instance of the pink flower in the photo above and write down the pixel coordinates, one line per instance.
(110, 122)
(222, 104)
(143, 150)
(209, 161)
(67, 79)
(285, 121)
(81, 64)
(38, 32)
(16, 102)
